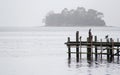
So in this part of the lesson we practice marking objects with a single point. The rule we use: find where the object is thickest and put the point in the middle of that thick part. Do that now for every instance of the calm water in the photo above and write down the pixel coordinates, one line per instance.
(42, 52)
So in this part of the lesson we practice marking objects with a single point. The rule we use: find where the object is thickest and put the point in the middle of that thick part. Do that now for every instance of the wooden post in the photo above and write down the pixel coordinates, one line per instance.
(91, 47)
(80, 49)
(111, 51)
(69, 49)
(101, 49)
(108, 53)
(117, 52)
(88, 51)
(77, 46)
(95, 49)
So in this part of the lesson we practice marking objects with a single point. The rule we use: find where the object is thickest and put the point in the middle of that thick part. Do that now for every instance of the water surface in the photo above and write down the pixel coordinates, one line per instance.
(41, 51)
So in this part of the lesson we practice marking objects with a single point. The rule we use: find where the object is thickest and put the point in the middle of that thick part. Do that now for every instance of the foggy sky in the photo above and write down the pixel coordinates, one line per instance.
(31, 12)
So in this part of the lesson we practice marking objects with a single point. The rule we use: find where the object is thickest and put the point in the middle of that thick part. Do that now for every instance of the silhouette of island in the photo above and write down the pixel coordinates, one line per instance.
(75, 17)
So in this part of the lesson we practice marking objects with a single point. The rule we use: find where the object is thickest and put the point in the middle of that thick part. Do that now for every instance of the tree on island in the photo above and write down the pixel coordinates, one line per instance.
(75, 17)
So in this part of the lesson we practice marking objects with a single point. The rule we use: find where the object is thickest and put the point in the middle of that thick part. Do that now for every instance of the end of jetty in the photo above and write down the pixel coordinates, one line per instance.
(108, 48)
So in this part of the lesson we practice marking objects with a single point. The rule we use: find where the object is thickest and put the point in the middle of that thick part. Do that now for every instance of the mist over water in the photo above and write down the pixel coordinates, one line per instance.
(32, 12)
(28, 49)
(42, 51)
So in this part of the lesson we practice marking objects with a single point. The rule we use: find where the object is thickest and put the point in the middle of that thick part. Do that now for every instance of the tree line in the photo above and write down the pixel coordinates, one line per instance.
(75, 17)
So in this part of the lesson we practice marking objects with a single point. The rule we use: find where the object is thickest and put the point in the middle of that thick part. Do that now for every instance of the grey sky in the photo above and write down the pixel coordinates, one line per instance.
(31, 12)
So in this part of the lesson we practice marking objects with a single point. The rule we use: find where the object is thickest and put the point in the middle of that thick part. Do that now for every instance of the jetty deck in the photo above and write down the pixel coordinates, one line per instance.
(91, 44)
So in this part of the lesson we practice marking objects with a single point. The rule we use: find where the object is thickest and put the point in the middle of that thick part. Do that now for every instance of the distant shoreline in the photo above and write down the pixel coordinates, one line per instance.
(52, 28)
(76, 26)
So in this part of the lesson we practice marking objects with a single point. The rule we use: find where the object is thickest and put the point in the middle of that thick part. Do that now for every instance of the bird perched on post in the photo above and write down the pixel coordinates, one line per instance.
(106, 37)
(90, 34)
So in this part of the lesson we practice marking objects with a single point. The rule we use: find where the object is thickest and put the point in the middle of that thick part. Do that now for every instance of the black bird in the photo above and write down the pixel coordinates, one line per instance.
(89, 30)
(106, 36)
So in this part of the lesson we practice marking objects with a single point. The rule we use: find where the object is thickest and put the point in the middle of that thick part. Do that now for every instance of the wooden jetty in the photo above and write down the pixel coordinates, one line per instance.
(111, 47)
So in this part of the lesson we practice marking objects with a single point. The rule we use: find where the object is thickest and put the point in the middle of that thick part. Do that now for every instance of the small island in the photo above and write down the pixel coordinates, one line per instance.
(75, 17)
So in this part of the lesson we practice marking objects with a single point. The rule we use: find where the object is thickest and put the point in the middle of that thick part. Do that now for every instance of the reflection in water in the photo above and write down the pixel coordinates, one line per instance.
(84, 68)
(69, 62)
(79, 64)
(89, 72)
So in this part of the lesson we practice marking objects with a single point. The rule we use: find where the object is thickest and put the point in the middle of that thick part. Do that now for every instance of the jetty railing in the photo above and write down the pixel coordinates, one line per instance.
(111, 47)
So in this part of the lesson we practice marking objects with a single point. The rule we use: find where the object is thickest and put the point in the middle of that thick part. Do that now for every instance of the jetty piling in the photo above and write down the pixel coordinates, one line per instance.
(80, 48)
(69, 49)
(77, 46)
(117, 52)
(111, 47)
(96, 55)
(88, 50)
(101, 49)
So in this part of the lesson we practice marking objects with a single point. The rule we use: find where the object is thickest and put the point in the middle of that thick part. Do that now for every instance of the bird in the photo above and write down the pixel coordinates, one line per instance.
(90, 34)
(106, 36)
(89, 30)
